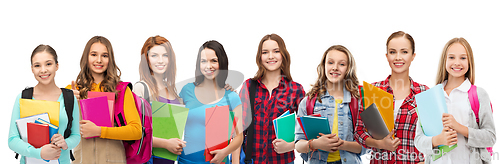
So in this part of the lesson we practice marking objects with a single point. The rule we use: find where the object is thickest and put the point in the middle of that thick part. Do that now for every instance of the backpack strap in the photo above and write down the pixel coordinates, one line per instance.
(310, 104)
(474, 102)
(27, 93)
(146, 91)
(250, 129)
(353, 106)
(121, 87)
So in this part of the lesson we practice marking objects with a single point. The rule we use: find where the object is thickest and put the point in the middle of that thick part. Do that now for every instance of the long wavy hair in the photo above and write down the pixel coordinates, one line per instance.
(285, 64)
(350, 80)
(147, 75)
(442, 74)
(112, 74)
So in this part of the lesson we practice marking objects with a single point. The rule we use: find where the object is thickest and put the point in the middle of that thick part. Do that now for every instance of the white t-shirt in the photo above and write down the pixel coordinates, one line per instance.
(397, 105)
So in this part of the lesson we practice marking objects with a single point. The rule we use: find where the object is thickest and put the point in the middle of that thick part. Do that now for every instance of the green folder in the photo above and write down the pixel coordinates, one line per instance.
(286, 127)
(168, 122)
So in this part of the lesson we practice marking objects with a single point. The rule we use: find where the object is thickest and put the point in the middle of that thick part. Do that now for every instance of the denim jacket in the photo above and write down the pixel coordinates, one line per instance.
(327, 109)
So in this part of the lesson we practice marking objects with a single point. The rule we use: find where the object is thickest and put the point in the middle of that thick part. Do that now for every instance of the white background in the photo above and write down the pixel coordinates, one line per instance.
(307, 28)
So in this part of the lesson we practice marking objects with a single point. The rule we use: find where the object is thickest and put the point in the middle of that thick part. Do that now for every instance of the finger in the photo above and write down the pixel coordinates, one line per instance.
(73, 85)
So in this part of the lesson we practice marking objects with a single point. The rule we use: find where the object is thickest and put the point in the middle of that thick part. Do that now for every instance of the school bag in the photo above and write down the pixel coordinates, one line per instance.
(474, 103)
(68, 106)
(353, 105)
(137, 151)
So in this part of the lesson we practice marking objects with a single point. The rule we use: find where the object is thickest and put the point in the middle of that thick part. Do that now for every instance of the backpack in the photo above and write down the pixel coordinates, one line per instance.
(137, 151)
(474, 103)
(353, 106)
(68, 106)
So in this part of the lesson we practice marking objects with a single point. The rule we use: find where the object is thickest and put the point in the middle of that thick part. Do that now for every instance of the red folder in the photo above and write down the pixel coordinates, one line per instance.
(38, 134)
(96, 110)
(216, 129)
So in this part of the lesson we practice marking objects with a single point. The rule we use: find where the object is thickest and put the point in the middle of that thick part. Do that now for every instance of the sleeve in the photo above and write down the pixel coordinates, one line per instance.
(422, 142)
(245, 104)
(184, 94)
(15, 142)
(298, 97)
(234, 99)
(74, 138)
(299, 134)
(485, 136)
(131, 131)
(359, 132)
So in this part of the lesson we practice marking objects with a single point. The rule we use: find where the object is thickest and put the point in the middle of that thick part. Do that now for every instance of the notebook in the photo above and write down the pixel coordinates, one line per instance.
(22, 124)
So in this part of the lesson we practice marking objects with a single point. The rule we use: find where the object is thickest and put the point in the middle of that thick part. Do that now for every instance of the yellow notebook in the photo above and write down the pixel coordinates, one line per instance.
(29, 107)
(383, 100)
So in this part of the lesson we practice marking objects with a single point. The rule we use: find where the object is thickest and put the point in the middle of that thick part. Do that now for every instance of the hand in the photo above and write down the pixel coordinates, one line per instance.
(75, 91)
(447, 137)
(281, 146)
(228, 87)
(329, 142)
(174, 145)
(58, 140)
(449, 121)
(219, 155)
(50, 152)
(89, 129)
(388, 143)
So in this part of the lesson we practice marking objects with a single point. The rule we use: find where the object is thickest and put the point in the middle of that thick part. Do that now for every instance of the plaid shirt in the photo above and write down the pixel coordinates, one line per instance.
(405, 127)
(286, 96)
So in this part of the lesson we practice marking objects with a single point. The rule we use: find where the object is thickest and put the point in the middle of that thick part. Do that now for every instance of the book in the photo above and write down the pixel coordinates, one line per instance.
(38, 134)
(52, 128)
(314, 125)
(22, 124)
(383, 100)
(111, 101)
(284, 127)
(96, 110)
(374, 122)
(302, 127)
(29, 107)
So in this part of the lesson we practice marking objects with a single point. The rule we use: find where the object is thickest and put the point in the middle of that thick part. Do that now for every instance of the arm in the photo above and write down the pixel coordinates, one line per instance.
(351, 146)
(74, 138)
(15, 142)
(423, 143)
(131, 131)
(485, 135)
(300, 138)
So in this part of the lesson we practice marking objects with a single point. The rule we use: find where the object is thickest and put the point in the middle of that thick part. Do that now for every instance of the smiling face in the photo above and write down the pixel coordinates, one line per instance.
(336, 66)
(98, 59)
(44, 67)
(399, 54)
(457, 63)
(209, 64)
(158, 59)
(271, 56)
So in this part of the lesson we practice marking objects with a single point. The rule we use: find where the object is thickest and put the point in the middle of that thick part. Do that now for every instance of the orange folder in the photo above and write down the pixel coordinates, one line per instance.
(383, 100)
(29, 107)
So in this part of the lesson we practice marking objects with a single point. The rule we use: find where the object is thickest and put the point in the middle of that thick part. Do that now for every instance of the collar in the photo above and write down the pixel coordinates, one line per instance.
(412, 87)
(464, 87)
(283, 82)
(346, 98)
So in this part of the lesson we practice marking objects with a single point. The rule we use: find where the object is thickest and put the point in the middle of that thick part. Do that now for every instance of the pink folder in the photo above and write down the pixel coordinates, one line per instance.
(96, 110)
(216, 129)
(111, 100)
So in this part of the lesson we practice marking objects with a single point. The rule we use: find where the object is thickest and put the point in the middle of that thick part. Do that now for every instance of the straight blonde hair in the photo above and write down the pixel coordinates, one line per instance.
(442, 74)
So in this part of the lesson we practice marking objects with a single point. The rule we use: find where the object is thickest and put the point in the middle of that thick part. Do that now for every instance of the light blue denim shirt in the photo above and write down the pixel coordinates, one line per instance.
(327, 109)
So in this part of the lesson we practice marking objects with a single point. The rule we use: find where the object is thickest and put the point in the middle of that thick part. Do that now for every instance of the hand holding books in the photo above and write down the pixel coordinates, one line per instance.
(327, 142)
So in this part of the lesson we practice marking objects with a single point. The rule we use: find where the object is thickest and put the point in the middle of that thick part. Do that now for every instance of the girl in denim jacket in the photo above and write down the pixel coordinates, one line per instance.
(336, 84)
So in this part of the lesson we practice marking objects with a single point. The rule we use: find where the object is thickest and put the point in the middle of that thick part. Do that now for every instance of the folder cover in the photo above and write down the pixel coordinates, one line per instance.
(314, 125)
(22, 124)
(284, 127)
(383, 100)
(111, 101)
(164, 126)
(216, 129)
(29, 107)
(96, 110)
(374, 123)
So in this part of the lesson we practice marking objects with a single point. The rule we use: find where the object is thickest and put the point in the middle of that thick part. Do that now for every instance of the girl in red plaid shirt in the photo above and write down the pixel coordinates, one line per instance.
(275, 93)
(400, 149)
